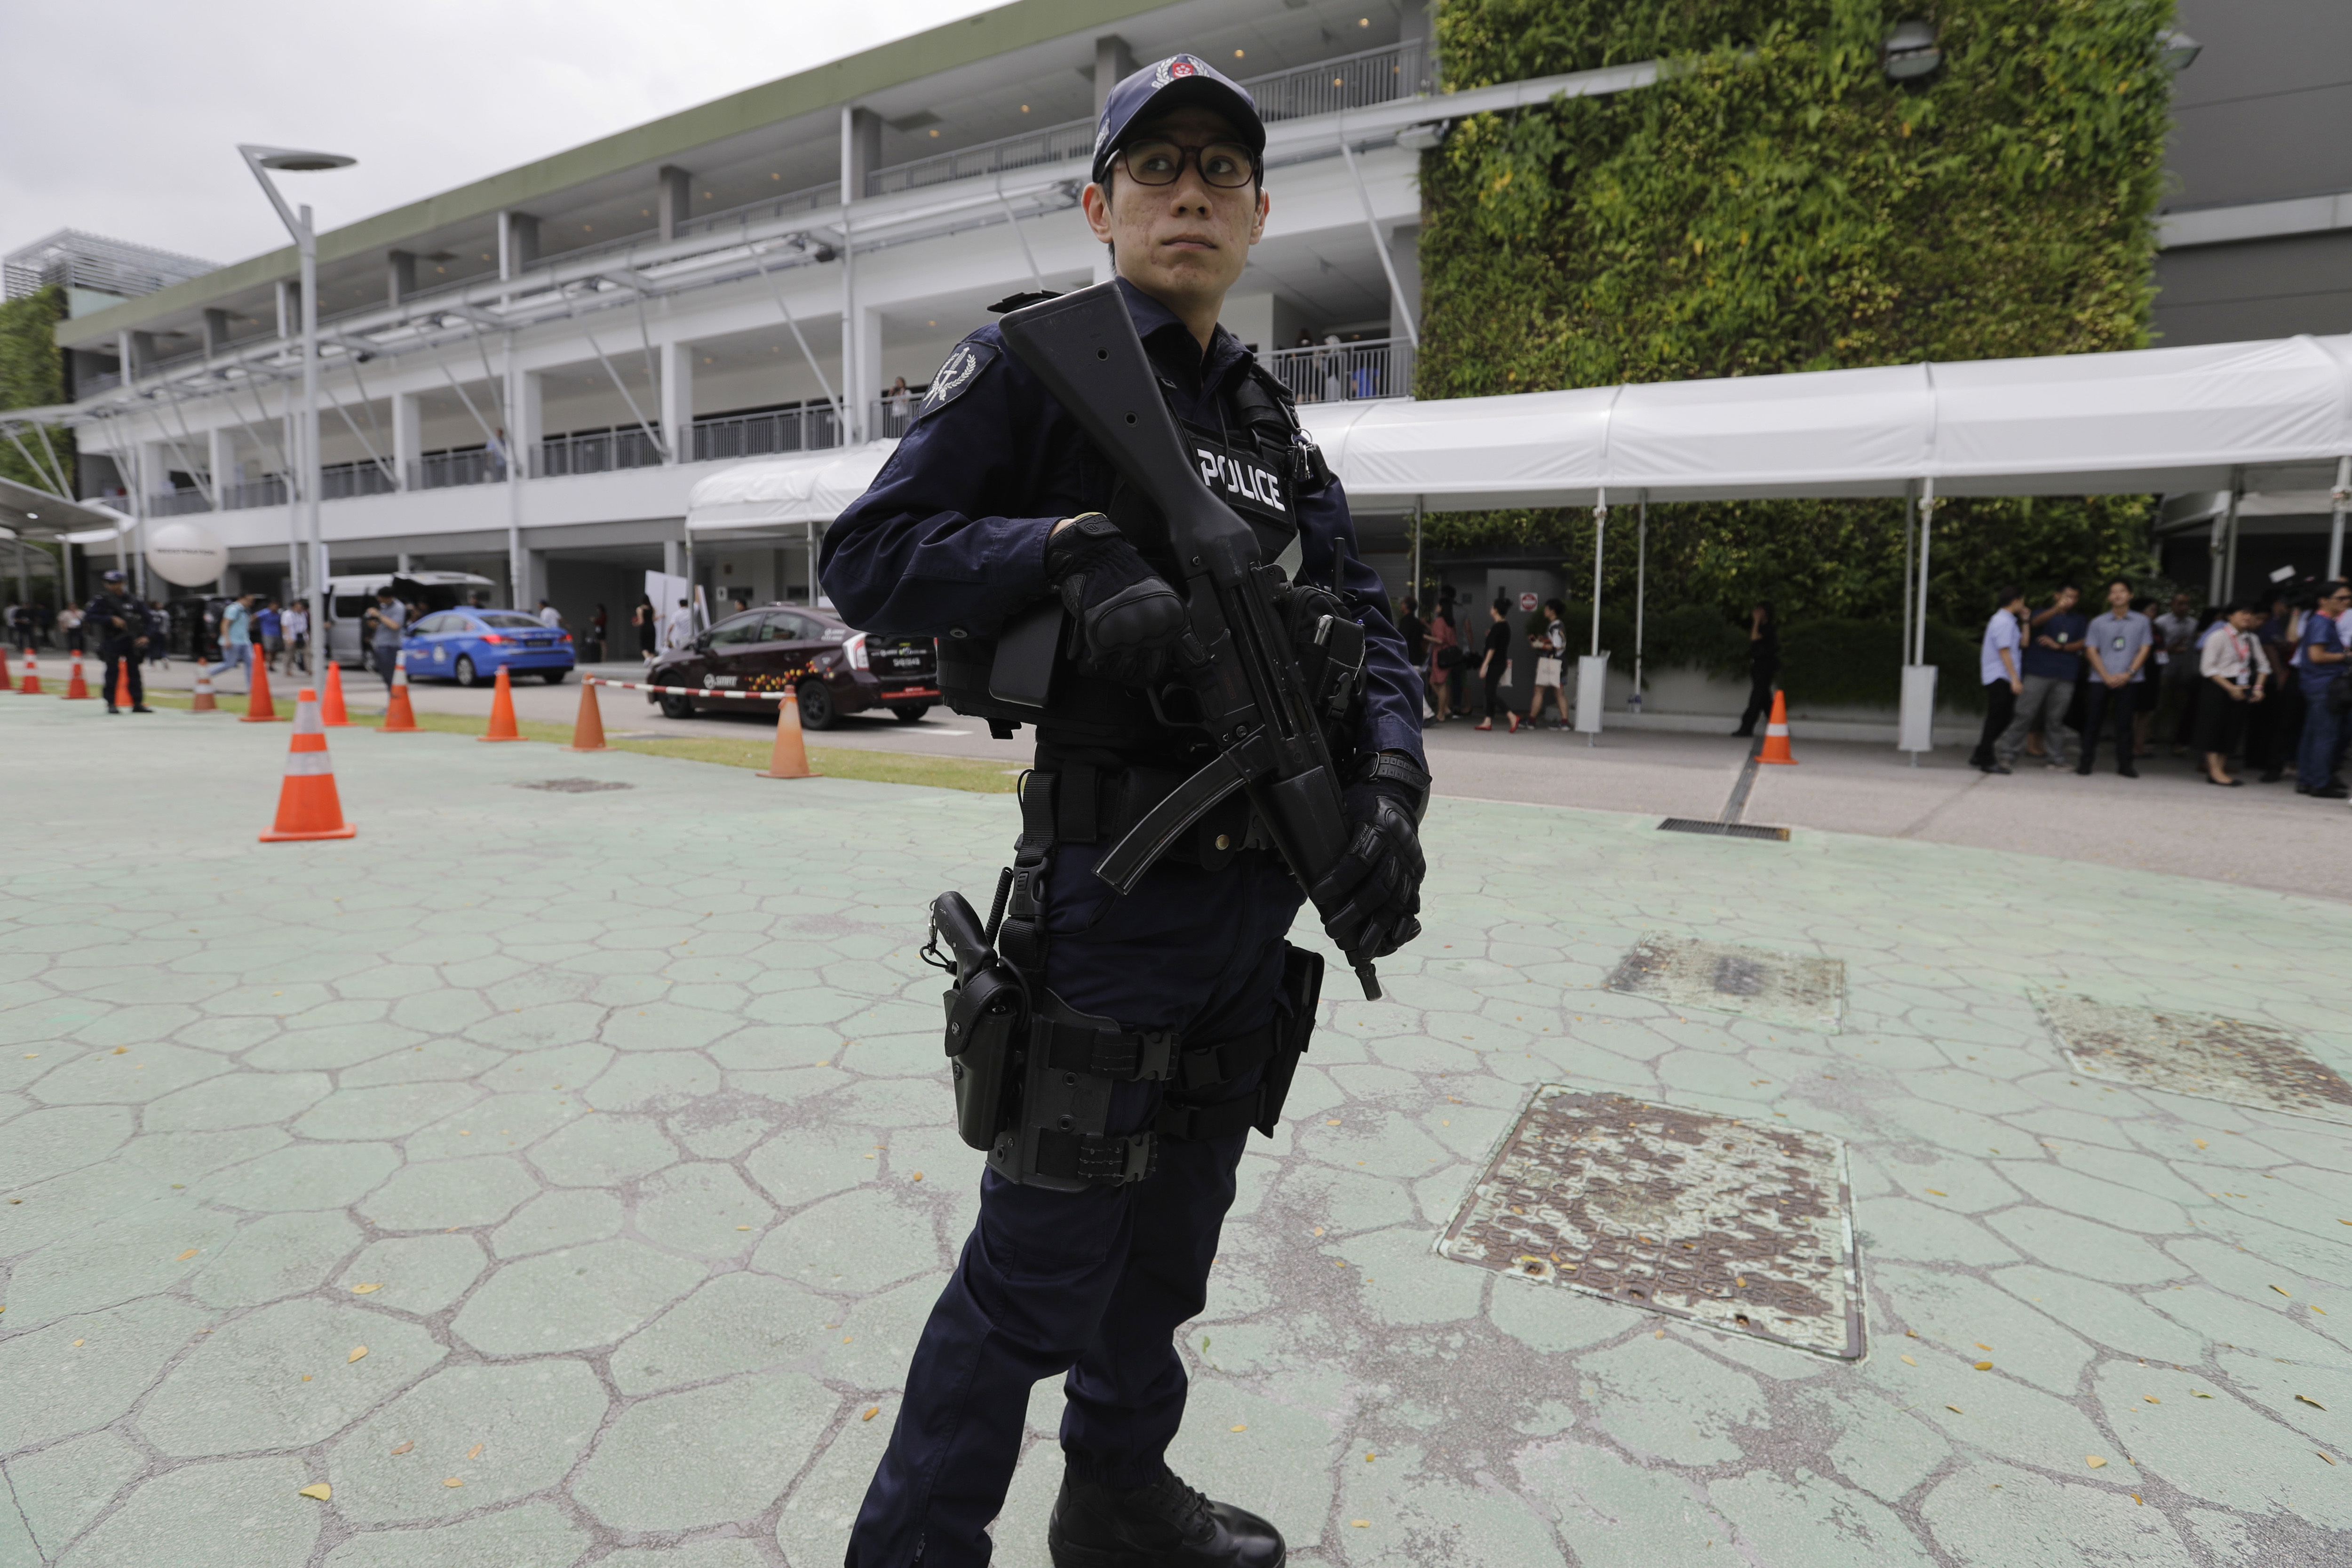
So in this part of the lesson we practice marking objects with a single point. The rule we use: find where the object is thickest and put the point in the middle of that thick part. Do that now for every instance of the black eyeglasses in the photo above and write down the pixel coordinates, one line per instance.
(1156, 161)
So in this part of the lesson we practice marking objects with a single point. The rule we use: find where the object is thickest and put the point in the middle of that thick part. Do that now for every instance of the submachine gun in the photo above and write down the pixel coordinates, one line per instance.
(1252, 696)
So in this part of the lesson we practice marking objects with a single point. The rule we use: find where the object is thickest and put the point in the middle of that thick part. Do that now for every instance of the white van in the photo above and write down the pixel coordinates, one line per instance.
(351, 598)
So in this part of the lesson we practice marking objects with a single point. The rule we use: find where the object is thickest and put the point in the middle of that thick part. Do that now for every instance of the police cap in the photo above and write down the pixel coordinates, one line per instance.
(1174, 83)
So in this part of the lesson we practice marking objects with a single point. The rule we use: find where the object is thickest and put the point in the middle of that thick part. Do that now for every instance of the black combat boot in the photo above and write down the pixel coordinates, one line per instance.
(1164, 1525)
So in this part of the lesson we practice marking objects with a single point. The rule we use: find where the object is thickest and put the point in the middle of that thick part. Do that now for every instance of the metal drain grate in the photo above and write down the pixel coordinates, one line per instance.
(1744, 1228)
(2230, 1060)
(1778, 987)
(574, 787)
(1723, 829)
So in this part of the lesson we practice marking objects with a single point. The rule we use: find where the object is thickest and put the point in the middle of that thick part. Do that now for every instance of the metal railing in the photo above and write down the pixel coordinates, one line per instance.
(1345, 373)
(447, 470)
(1054, 144)
(810, 200)
(811, 429)
(268, 491)
(179, 503)
(595, 452)
(341, 481)
(887, 418)
(1349, 81)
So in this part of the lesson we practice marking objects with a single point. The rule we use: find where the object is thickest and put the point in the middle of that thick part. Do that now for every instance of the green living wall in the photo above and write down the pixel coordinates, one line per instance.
(32, 375)
(1776, 204)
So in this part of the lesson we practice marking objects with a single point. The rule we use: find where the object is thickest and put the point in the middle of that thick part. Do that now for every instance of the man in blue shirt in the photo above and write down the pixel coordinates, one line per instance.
(2118, 644)
(1996, 667)
(994, 505)
(2053, 663)
(2319, 662)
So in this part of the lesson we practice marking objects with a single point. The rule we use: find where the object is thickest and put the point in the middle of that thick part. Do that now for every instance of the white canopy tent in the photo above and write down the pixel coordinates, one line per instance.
(2239, 418)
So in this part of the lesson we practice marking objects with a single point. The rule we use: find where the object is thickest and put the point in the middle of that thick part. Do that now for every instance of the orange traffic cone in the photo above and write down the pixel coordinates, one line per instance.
(789, 758)
(308, 807)
(588, 730)
(31, 685)
(503, 720)
(398, 717)
(122, 698)
(1776, 733)
(257, 707)
(7, 676)
(77, 689)
(203, 702)
(330, 710)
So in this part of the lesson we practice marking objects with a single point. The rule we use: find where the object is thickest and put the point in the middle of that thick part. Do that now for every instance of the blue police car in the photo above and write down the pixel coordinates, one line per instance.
(471, 647)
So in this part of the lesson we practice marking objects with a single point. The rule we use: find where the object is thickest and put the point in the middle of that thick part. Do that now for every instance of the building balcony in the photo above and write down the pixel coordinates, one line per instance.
(1345, 373)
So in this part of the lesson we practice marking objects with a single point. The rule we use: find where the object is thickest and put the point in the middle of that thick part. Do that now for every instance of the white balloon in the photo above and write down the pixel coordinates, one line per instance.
(186, 554)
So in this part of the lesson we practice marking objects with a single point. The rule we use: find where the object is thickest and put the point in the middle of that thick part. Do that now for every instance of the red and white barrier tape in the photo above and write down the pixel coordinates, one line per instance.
(716, 691)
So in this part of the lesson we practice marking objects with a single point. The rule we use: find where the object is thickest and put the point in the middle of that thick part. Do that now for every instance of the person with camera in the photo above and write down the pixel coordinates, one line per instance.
(1177, 1007)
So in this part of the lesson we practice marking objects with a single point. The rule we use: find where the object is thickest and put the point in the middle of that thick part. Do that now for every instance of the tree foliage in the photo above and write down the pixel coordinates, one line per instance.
(32, 372)
(1775, 204)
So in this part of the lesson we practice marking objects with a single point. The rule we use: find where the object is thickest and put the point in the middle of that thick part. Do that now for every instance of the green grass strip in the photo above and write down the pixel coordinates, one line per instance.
(833, 761)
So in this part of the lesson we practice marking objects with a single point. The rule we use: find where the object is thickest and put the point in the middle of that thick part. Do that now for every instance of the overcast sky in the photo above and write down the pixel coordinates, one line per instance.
(121, 117)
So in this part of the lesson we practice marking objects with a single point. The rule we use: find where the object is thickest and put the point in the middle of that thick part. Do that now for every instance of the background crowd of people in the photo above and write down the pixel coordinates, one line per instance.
(2265, 679)
(1448, 659)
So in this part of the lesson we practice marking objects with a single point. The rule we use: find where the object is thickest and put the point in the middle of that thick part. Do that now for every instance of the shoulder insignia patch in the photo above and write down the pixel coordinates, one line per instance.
(964, 365)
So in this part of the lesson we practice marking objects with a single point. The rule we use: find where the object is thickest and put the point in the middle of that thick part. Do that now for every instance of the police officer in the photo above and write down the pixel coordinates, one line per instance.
(994, 504)
(122, 637)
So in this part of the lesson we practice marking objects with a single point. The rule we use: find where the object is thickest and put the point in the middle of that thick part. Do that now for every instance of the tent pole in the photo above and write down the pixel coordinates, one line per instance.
(1600, 537)
(2338, 502)
(2227, 540)
(1908, 545)
(1640, 589)
(1926, 522)
(1416, 556)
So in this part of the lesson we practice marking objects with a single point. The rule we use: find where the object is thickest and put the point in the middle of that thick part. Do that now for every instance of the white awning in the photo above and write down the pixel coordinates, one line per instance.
(2260, 417)
(790, 490)
(2151, 420)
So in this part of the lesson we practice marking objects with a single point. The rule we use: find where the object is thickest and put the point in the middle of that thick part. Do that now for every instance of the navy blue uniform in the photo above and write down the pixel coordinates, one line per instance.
(950, 542)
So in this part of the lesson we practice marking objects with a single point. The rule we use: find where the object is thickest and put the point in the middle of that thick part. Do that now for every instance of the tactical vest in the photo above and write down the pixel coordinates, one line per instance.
(1028, 675)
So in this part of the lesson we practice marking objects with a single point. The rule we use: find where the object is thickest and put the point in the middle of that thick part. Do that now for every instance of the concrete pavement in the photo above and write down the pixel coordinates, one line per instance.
(611, 1128)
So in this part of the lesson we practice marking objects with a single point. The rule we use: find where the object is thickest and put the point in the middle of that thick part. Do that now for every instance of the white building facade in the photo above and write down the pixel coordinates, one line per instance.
(523, 377)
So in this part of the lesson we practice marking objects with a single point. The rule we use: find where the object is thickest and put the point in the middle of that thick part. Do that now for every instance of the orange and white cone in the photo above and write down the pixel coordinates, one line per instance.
(308, 805)
(588, 729)
(502, 719)
(331, 709)
(399, 717)
(8, 675)
(789, 758)
(122, 698)
(1776, 734)
(77, 689)
(258, 709)
(31, 685)
(203, 702)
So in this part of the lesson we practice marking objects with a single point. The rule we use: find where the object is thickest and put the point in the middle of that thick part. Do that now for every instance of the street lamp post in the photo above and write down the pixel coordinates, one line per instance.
(261, 161)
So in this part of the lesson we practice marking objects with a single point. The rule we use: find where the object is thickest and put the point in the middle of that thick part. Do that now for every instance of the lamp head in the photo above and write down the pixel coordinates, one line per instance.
(1910, 52)
(295, 161)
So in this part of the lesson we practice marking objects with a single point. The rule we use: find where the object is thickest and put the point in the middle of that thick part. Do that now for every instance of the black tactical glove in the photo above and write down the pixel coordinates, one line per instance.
(1370, 897)
(1131, 623)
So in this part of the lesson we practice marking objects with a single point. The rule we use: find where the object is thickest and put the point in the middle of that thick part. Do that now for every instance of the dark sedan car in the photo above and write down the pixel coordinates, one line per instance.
(835, 670)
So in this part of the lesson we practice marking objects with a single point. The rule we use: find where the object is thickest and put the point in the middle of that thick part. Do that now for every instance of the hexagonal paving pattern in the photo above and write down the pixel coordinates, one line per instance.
(572, 1194)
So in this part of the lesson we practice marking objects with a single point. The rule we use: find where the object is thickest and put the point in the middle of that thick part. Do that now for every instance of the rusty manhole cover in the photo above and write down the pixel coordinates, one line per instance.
(574, 787)
(1740, 1227)
(1778, 987)
(2258, 1064)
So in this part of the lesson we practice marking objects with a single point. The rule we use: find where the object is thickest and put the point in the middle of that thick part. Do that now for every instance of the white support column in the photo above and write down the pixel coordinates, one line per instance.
(220, 462)
(861, 149)
(407, 439)
(677, 362)
(864, 346)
